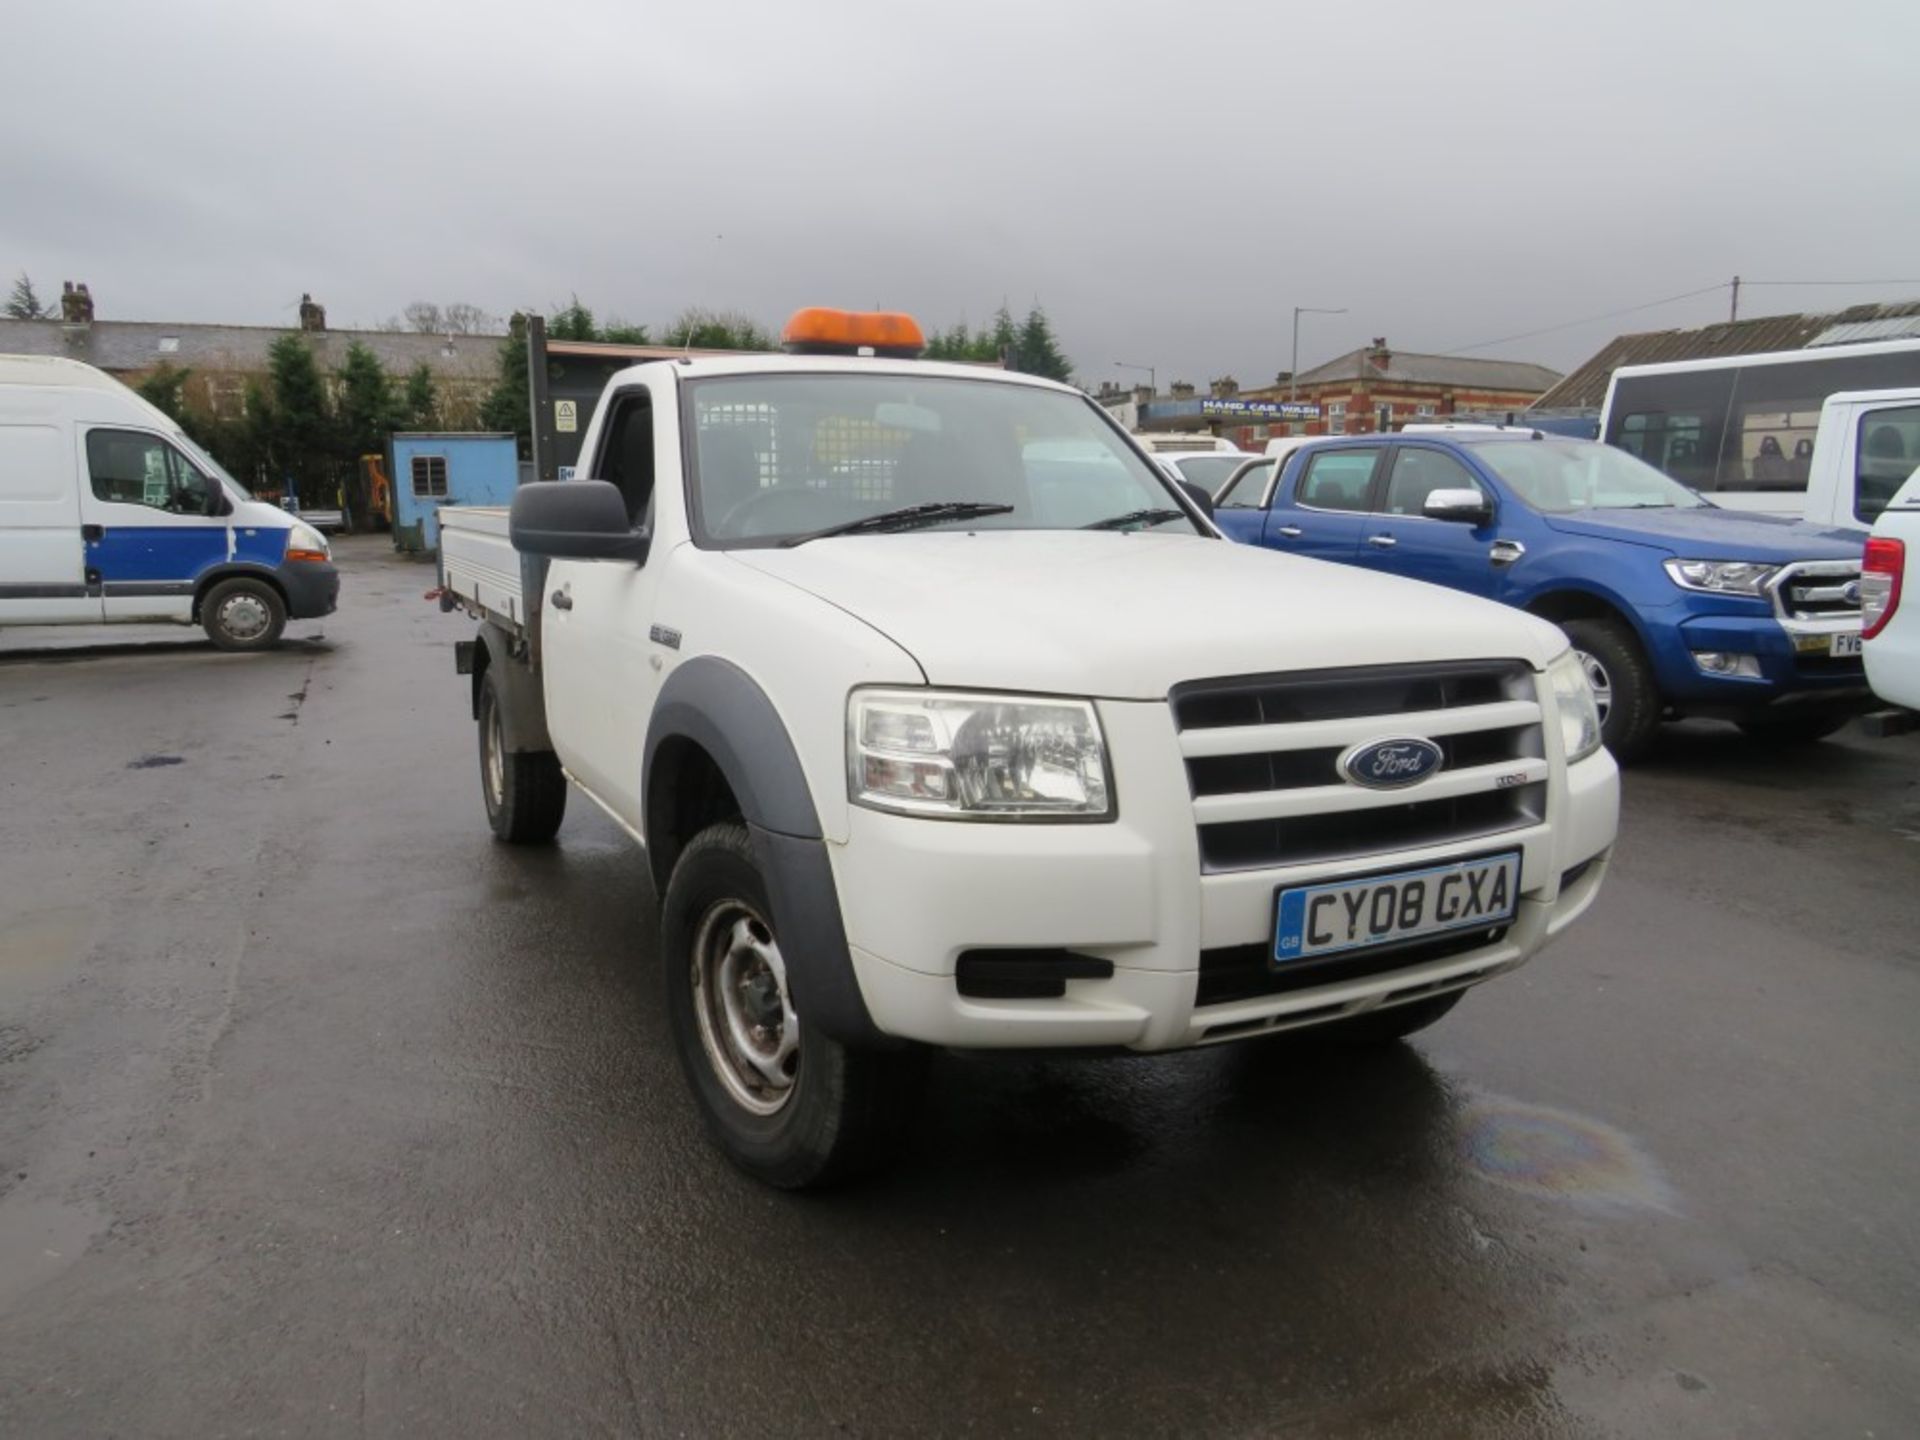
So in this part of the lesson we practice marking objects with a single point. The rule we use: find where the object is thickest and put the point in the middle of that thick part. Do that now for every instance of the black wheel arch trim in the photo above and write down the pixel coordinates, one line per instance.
(716, 705)
(523, 705)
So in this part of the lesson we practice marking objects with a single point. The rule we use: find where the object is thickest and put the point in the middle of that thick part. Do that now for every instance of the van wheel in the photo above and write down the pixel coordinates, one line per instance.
(1623, 685)
(526, 792)
(243, 614)
(787, 1104)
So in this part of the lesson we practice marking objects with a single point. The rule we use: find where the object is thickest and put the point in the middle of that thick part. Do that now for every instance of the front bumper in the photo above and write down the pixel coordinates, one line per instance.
(916, 894)
(312, 586)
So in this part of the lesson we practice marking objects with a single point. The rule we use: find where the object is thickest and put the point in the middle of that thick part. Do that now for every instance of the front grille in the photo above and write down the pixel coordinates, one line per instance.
(1817, 590)
(1262, 756)
(1247, 972)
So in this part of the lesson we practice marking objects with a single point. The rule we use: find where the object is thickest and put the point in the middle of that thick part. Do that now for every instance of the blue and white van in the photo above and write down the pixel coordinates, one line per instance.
(108, 513)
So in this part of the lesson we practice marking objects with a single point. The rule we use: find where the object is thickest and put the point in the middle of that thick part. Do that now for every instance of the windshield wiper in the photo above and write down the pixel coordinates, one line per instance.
(1158, 516)
(907, 517)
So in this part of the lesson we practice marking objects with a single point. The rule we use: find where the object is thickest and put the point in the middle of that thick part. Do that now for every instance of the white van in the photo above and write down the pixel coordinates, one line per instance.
(1867, 445)
(109, 513)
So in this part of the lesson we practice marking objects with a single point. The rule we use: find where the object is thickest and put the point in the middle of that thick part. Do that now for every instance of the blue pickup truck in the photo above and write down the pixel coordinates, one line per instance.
(1675, 606)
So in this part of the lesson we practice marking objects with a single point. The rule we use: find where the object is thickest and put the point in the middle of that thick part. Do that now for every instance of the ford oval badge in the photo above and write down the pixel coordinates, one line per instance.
(1391, 764)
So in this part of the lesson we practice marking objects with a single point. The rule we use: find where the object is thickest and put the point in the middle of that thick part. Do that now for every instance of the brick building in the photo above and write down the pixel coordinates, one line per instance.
(1378, 388)
(224, 359)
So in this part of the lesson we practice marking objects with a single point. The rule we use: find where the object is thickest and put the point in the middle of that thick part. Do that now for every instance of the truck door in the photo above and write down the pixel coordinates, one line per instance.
(43, 562)
(149, 530)
(1320, 511)
(602, 666)
(1401, 540)
(1885, 451)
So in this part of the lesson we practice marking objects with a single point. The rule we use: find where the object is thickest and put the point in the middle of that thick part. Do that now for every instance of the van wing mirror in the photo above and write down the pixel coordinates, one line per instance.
(1465, 505)
(575, 520)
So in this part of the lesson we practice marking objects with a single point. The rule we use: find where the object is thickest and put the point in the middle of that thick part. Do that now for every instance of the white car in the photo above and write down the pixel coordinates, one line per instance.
(1889, 617)
(947, 719)
(1209, 470)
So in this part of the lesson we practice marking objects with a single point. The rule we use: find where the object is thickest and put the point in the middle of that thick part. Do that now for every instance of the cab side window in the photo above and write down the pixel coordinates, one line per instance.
(1418, 473)
(127, 467)
(1887, 450)
(1338, 479)
(626, 453)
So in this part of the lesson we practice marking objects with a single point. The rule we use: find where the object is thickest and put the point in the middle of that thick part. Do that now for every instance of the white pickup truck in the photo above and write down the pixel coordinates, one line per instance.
(946, 718)
(1889, 611)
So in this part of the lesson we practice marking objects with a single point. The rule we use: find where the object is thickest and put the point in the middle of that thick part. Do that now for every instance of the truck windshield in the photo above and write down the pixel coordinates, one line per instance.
(776, 456)
(1562, 477)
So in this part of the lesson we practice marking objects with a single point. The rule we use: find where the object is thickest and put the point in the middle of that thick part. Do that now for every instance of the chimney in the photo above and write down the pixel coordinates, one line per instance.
(76, 305)
(312, 316)
(1181, 390)
(1225, 388)
(1378, 355)
(1143, 394)
(1283, 377)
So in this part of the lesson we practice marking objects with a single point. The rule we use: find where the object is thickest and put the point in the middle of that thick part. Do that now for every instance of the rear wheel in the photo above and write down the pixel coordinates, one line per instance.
(786, 1103)
(243, 615)
(1793, 729)
(525, 791)
(1396, 1022)
(1623, 685)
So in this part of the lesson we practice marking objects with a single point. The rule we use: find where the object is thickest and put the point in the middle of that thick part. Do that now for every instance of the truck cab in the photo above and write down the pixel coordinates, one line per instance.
(1675, 606)
(110, 513)
(890, 668)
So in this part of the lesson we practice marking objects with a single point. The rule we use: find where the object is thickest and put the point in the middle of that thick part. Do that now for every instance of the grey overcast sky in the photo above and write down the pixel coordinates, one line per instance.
(1167, 180)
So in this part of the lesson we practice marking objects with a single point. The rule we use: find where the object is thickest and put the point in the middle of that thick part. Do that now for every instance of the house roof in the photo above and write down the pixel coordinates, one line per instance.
(1459, 371)
(1586, 387)
(123, 346)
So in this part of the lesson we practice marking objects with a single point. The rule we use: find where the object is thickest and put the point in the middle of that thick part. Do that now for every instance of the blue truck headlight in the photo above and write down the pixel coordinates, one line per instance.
(966, 756)
(1721, 577)
(1573, 702)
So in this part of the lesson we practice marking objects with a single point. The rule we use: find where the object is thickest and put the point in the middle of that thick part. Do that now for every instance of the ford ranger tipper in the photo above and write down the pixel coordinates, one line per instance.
(946, 718)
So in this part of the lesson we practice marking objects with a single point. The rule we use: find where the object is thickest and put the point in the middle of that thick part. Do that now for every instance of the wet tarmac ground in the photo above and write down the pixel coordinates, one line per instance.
(320, 1113)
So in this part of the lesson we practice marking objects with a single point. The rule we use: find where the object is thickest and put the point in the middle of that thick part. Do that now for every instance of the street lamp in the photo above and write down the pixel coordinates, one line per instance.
(1153, 378)
(1293, 371)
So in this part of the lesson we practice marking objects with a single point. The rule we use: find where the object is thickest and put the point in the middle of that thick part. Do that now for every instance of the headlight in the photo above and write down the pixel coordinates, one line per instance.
(1573, 702)
(976, 757)
(303, 537)
(1721, 577)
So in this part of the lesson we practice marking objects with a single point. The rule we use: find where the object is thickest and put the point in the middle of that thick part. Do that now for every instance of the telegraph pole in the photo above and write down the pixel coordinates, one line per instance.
(1733, 314)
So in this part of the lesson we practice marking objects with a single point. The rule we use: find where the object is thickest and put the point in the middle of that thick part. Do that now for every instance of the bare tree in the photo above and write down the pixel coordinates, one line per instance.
(461, 318)
(424, 317)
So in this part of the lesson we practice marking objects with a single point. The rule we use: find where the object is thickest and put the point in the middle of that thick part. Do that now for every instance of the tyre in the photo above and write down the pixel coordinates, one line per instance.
(243, 614)
(1623, 685)
(526, 793)
(786, 1103)
(1396, 1022)
(1793, 729)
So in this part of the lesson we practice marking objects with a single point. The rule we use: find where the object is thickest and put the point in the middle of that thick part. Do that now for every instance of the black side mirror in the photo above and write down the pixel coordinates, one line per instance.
(575, 520)
(1200, 496)
(1465, 506)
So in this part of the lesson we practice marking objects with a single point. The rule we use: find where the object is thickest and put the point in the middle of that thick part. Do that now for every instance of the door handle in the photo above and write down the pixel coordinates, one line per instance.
(1382, 542)
(1292, 532)
(93, 534)
(1505, 552)
(560, 600)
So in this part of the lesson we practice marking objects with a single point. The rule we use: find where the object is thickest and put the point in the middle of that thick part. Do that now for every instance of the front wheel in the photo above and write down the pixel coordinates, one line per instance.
(525, 791)
(243, 615)
(1793, 729)
(1624, 690)
(786, 1103)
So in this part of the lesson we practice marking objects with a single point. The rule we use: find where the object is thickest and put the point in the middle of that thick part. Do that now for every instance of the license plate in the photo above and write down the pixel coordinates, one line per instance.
(1843, 645)
(1389, 909)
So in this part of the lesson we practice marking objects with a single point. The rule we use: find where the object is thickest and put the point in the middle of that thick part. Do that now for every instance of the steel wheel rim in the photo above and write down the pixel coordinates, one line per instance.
(244, 616)
(495, 759)
(747, 1026)
(1599, 680)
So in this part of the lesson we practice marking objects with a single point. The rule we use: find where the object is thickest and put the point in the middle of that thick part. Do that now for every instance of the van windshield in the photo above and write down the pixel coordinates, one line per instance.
(235, 490)
(1561, 477)
(781, 455)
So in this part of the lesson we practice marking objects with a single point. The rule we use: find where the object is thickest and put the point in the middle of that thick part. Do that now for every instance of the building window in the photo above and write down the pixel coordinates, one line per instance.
(430, 477)
(1423, 412)
(1336, 417)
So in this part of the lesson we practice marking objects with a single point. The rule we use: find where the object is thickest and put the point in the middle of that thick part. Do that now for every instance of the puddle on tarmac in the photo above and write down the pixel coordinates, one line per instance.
(1558, 1155)
(39, 1239)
